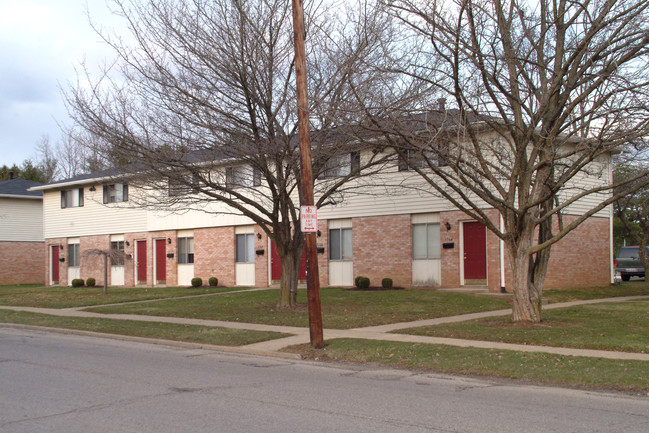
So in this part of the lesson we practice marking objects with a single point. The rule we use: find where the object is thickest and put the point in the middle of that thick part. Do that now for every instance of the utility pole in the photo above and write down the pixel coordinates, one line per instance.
(311, 254)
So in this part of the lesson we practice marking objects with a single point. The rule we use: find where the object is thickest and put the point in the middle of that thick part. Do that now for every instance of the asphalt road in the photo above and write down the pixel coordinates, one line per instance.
(51, 382)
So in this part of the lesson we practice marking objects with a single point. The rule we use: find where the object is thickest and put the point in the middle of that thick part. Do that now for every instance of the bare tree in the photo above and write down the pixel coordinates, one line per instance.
(48, 161)
(201, 105)
(109, 255)
(542, 94)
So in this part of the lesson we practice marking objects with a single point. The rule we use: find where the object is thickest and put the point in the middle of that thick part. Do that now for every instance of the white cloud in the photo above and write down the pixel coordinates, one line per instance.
(41, 44)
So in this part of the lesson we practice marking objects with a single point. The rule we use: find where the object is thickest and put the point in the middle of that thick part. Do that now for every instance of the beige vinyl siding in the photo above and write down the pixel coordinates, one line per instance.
(21, 220)
(93, 218)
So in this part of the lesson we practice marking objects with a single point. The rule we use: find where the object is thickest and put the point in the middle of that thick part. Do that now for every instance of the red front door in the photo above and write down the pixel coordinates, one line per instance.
(55, 264)
(160, 261)
(475, 252)
(141, 262)
(276, 265)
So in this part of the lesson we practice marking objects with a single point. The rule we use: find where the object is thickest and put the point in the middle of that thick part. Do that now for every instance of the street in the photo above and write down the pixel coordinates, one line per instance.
(53, 382)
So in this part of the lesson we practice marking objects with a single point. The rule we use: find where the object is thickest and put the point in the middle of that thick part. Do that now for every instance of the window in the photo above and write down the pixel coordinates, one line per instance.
(418, 159)
(242, 176)
(115, 193)
(117, 246)
(72, 198)
(245, 248)
(185, 251)
(425, 241)
(342, 165)
(183, 186)
(340, 244)
(73, 255)
(414, 159)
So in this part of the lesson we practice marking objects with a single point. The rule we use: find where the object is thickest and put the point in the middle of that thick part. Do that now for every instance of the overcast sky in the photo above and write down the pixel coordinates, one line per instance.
(41, 44)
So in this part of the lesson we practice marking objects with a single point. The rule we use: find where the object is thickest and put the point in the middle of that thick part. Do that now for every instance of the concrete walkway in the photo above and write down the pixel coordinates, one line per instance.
(380, 332)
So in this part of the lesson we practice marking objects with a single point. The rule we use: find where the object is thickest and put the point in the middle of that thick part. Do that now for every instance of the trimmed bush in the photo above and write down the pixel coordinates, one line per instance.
(386, 283)
(363, 283)
(78, 282)
(357, 281)
(90, 282)
(197, 282)
(213, 281)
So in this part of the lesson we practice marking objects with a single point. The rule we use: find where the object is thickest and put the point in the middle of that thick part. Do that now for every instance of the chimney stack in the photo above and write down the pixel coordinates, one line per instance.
(441, 104)
(11, 174)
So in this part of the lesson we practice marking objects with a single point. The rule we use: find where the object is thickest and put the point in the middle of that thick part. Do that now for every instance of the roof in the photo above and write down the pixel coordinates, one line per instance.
(20, 188)
(426, 120)
(76, 180)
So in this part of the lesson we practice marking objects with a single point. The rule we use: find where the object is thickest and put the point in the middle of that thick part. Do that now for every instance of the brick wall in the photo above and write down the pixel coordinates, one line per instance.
(22, 263)
(581, 259)
(214, 254)
(382, 248)
(92, 264)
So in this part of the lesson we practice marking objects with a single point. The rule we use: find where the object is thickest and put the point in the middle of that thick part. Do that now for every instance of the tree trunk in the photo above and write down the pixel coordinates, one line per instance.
(105, 274)
(527, 291)
(288, 282)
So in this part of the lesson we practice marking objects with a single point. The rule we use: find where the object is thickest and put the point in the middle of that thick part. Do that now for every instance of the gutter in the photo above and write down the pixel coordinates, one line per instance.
(29, 197)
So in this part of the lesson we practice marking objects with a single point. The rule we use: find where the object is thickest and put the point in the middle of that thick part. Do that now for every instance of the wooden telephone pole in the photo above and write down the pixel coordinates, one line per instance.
(312, 273)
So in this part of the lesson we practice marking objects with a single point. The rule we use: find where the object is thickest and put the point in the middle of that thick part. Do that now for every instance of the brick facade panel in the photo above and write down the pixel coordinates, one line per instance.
(22, 263)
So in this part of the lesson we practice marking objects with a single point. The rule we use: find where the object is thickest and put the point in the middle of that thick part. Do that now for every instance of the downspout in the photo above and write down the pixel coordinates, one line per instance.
(502, 257)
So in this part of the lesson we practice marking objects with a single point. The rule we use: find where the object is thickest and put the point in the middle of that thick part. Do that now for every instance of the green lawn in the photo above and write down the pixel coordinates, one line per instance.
(634, 288)
(620, 326)
(598, 373)
(66, 297)
(165, 331)
(341, 309)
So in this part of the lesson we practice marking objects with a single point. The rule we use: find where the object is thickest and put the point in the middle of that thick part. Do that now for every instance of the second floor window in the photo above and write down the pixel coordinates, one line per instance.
(72, 198)
(341, 165)
(242, 176)
(115, 193)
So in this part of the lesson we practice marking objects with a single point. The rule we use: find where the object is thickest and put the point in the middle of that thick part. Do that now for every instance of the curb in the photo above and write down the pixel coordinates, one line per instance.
(156, 341)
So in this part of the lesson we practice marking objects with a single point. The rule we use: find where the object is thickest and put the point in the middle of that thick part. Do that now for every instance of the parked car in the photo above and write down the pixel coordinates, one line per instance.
(628, 264)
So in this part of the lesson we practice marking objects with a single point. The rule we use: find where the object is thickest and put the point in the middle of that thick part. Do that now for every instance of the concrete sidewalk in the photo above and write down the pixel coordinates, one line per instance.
(381, 332)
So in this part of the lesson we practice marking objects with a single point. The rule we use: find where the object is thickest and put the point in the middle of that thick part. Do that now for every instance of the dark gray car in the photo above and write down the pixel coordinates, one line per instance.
(628, 264)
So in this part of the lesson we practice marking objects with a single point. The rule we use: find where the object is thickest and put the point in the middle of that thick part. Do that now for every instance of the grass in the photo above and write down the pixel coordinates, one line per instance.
(67, 297)
(595, 373)
(341, 309)
(609, 326)
(165, 331)
(634, 288)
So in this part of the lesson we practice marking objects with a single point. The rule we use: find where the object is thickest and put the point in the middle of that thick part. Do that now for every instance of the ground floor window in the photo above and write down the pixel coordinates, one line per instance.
(117, 246)
(340, 244)
(185, 251)
(245, 248)
(73, 255)
(425, 241)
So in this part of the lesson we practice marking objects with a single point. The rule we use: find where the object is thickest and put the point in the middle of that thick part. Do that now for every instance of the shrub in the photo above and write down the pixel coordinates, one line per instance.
(213, 281)
(363, 283)
(386, 283)
(197, 282)
(357, 281)
(77, 282)
(90, 282)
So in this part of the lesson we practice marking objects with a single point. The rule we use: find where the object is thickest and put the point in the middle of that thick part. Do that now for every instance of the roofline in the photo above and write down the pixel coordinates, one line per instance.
(71, 183)
(32, 197)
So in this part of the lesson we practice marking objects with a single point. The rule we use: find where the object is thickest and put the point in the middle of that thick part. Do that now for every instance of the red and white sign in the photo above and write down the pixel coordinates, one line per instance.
(309, 219)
